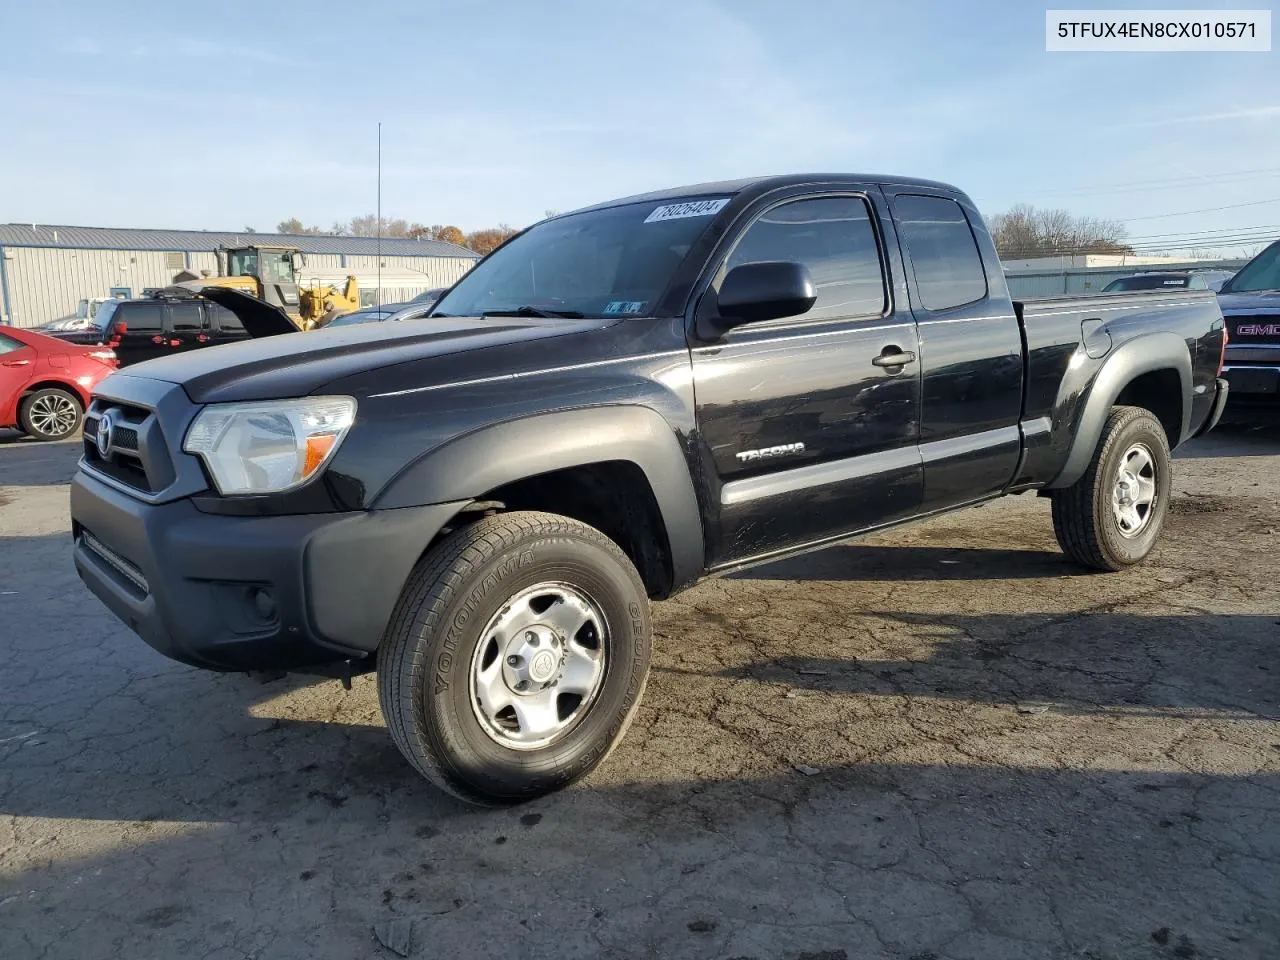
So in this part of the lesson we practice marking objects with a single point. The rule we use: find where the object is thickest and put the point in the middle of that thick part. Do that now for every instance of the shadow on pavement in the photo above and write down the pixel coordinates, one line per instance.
(1235, 440)
(878, 796)
(25, 462)
(1168, 666)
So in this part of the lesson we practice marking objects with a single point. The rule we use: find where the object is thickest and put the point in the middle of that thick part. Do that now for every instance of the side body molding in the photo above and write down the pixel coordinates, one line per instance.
(470, 465)
(1145, 353)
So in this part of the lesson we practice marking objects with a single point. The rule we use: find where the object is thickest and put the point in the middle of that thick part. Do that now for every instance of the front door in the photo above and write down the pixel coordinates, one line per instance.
(144, 336)
(187, 327)
(17, 364)
(807, 432)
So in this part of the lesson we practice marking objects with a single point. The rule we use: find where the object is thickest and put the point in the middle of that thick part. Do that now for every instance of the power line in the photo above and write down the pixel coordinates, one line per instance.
(1196, 233)
(1184, 213)
(1163, 184)
(1171, 183)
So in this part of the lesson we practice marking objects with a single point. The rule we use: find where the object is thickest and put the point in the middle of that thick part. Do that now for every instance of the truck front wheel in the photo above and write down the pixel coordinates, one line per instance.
(1112, 516)
(516, 657)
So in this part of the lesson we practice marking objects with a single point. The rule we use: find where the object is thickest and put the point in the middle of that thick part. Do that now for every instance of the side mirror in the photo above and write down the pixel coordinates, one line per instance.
(766, 290)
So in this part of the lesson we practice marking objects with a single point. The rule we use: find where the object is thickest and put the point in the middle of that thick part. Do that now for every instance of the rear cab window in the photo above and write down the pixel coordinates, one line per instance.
(942, 250)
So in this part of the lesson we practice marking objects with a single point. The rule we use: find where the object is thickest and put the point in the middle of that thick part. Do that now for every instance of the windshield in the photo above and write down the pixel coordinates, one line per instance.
(1146, 283)
(610, 262)
(1260, 273)
(272, 266)
(102, 318)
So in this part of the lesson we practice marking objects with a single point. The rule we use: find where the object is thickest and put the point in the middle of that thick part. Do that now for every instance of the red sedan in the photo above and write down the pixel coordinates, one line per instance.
(45, 382)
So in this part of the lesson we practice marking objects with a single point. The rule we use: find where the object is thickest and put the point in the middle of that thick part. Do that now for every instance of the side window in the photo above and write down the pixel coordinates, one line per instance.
(141, 317)
(225, 319)
(834, 238)
(185, 317)
(943, 251)
(9, 345)
(1197, 282)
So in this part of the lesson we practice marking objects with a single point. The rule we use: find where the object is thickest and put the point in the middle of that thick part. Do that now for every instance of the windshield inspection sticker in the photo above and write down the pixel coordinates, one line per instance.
(694, 208)
(625, 306)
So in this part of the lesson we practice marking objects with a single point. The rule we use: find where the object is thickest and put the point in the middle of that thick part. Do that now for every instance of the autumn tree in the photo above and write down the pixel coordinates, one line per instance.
(1025, 232)
(449, 234)
(487, 240)
(481, 241)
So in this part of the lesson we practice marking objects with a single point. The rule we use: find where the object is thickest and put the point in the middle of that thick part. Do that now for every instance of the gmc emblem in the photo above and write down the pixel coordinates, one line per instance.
(1258, 330)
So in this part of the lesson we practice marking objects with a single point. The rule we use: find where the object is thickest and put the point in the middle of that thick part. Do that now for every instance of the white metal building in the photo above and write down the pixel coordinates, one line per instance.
(45, 271)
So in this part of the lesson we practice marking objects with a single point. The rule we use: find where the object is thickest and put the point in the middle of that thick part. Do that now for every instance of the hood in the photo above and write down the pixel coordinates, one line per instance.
(1254, 301)
(276, 367)
(260, 319)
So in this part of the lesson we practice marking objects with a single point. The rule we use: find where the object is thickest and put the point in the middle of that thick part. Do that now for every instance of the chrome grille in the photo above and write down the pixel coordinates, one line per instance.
(135, 454)
(1255, 330)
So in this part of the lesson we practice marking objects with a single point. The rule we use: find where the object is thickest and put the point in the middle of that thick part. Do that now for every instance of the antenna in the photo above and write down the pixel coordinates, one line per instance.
(378, 295)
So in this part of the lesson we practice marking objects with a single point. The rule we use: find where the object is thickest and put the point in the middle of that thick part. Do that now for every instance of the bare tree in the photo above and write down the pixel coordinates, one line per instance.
(294, 226)
(1025, 232)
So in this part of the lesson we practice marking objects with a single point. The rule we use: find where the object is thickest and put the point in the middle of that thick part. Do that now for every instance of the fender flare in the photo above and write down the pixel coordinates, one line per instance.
(466, 467)
(1147, 353)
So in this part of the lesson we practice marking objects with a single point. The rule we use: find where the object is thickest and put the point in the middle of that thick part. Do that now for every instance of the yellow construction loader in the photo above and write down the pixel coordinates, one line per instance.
(271, 274)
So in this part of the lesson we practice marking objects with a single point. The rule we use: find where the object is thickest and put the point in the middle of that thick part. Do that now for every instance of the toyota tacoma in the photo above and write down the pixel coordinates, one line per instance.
(619, 401)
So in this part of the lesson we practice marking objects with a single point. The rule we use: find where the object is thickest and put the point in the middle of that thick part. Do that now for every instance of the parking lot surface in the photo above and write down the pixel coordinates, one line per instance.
(943, 742)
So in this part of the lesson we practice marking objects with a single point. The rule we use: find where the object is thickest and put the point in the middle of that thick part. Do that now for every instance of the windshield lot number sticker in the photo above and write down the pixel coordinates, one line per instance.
(694, 208)
(625, 306)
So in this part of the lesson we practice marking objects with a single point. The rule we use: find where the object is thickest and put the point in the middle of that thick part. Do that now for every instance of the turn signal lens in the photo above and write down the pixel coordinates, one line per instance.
(318, 448)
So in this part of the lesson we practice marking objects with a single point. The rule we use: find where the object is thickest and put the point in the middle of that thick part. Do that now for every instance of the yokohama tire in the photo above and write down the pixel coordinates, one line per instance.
(443, 621)
(1085, 515)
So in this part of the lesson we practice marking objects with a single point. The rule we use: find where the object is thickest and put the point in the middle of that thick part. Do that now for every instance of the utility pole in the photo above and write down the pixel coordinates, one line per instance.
(378, 295)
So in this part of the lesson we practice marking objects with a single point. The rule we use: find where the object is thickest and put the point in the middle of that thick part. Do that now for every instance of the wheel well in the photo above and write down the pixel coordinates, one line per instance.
(615, 498)
(1159, 391)
(51, 385)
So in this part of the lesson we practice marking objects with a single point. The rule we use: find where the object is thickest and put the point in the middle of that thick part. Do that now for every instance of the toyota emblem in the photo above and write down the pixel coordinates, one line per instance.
(104, 435)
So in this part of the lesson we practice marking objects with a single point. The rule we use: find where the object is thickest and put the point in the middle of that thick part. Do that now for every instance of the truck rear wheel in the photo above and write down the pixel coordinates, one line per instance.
(1112, 516)
(516, 657)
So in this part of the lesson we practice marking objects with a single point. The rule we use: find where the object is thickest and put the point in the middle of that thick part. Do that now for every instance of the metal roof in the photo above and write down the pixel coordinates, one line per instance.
(111, 238)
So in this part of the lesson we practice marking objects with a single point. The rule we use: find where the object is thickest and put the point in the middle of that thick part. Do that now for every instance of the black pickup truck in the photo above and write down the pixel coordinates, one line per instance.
(616, 403)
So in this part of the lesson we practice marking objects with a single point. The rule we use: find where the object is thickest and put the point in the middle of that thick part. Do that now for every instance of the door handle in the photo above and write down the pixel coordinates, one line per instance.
(894, 357)
(17, 363)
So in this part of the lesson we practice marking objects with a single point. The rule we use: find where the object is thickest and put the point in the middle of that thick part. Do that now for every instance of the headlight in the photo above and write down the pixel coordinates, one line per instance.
(269, 446)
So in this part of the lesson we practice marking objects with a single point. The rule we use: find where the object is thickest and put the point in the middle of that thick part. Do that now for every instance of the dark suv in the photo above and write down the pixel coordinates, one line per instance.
(144, 329)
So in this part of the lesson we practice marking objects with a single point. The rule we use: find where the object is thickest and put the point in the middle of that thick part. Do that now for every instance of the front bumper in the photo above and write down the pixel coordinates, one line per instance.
(247, 593)
(1254, 381)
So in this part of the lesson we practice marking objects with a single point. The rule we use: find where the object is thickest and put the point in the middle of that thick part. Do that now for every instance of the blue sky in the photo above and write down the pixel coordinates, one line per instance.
(150, 114)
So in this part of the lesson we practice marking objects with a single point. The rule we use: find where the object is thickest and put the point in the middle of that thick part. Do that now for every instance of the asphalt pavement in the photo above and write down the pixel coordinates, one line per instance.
(937, 744)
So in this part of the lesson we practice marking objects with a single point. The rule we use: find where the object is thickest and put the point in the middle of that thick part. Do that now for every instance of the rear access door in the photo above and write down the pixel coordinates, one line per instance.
(808, 425)
(970, 348)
